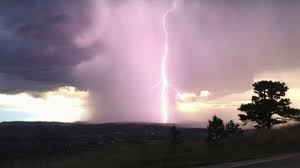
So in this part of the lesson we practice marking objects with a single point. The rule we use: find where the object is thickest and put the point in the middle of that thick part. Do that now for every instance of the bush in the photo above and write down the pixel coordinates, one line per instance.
(217, 131)
(232, 128)
(175, 139)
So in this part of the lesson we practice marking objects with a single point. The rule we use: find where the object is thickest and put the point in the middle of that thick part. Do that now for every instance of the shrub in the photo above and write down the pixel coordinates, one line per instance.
(232, 128)
(175, 139)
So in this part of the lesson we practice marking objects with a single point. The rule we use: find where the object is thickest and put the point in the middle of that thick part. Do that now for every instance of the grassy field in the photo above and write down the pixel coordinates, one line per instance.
(140, 153)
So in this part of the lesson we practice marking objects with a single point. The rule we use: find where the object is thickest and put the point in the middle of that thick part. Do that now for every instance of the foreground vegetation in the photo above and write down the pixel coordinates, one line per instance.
(59, 145)
(144, 153)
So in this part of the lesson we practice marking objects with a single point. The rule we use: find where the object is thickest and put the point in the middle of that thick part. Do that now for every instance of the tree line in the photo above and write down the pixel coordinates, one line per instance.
(268, 107)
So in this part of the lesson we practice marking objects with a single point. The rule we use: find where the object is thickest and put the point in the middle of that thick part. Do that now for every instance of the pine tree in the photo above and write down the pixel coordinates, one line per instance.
(215, 130)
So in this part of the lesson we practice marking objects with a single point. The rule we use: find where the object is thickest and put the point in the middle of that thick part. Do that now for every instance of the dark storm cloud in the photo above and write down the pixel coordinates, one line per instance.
(37, 48)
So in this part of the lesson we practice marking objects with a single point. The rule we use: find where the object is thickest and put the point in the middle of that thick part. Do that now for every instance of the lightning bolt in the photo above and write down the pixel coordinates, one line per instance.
(164, 68)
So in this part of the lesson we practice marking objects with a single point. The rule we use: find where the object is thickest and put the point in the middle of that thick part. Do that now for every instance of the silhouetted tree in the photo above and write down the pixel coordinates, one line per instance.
(175, 135)
(232, 128)
(268, 106)
(215, 130)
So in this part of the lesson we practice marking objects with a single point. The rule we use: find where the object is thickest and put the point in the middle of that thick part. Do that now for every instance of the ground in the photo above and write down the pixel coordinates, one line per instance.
(60, 145)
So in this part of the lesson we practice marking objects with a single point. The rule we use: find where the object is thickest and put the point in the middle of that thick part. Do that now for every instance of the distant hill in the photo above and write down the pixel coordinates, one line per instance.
(142, 130)
(54, 137)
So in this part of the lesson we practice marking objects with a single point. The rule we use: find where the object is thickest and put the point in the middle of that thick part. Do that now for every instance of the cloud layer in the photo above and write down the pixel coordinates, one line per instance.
(113, 49)
(37, 45)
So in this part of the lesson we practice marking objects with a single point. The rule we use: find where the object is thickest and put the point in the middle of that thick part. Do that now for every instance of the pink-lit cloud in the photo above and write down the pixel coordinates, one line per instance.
(214, 45)
(112, 50)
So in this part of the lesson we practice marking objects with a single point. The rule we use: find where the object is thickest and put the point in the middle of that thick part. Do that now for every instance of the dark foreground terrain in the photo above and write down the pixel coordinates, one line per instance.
(279, 161)
(61, 145)
(40, 137)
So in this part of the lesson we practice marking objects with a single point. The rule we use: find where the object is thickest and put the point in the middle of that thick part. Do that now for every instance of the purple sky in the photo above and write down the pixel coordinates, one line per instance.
(110, 50)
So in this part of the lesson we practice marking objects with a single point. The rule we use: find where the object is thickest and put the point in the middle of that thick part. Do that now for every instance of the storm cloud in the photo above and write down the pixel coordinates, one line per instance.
(222, 45)
(113, 49)
(37, 45)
